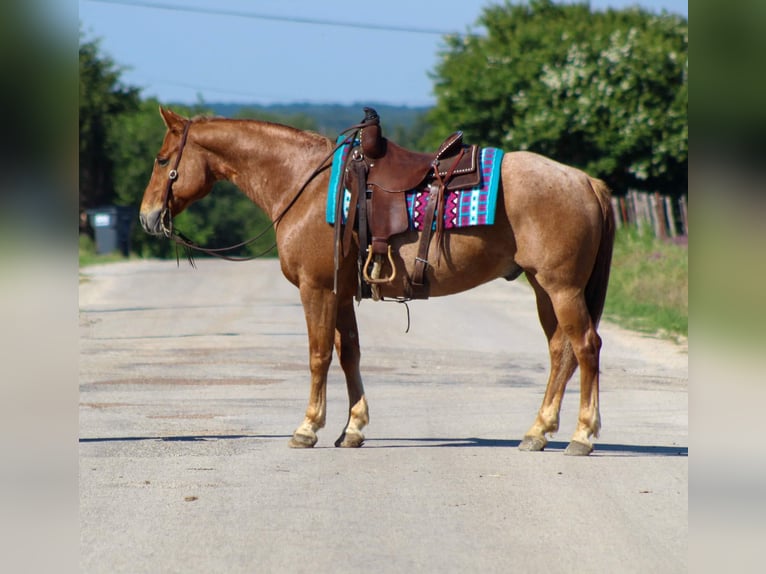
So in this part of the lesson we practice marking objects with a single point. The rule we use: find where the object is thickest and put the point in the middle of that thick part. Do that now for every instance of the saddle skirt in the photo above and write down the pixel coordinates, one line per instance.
(463, 208)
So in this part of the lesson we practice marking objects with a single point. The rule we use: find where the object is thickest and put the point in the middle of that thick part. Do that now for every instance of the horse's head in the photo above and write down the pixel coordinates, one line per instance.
(180, 176)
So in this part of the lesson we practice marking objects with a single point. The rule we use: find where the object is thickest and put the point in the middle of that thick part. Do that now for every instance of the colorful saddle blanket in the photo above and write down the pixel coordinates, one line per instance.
(462, 208)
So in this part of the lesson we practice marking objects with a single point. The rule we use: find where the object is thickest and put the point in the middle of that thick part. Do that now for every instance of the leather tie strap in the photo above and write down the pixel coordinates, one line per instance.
(357, 183)
(362, 230)
(434, 208)
(443, 182)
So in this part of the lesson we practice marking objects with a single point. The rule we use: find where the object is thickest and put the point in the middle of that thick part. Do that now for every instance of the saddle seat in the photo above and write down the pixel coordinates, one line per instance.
(384, 173)
(395, 169)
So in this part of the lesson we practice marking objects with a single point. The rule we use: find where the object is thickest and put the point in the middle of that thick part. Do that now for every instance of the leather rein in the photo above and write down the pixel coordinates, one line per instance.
(166, 219)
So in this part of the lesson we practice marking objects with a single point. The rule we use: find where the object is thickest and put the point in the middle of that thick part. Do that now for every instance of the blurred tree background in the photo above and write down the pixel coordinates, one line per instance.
(606, 91)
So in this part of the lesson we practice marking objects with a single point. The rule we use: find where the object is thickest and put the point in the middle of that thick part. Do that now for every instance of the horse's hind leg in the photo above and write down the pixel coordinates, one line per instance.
(563, 364)
(347, 347)
(575, 320)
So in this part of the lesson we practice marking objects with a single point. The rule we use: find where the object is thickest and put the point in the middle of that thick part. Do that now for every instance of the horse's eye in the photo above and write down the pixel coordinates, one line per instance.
(162, 161)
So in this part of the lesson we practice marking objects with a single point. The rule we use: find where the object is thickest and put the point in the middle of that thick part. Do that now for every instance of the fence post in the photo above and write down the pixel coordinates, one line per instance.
(644, 211)
(660, 228)
(671, 216)
(638, 211)
(616, 212)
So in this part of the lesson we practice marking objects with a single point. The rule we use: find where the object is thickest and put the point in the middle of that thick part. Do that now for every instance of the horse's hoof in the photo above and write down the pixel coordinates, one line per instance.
(577, 448)
(350, 440)
(302, 441)
(532, 444)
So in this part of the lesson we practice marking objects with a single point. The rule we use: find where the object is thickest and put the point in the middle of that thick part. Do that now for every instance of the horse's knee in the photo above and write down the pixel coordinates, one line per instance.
(319, 362)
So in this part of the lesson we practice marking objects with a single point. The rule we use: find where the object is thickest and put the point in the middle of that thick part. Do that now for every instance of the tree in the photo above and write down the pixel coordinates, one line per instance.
(132, 140)
(301, 121)
(605, 91)
(102, 99)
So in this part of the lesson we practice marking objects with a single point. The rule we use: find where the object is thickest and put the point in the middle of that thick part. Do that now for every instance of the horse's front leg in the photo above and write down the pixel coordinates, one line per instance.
(347, 347)
(320, 308)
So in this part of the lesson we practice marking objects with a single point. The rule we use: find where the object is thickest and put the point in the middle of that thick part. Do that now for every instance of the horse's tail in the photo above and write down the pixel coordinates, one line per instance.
(595, 290)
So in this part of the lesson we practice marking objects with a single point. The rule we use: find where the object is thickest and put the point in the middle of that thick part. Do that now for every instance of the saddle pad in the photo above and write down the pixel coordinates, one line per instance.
(462, 208)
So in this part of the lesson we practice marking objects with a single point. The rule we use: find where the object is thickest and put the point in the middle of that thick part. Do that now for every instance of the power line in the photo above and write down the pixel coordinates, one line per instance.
(290, 19)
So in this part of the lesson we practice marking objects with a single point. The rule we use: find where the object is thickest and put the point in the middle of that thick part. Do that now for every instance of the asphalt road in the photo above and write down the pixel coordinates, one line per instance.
(192, 381)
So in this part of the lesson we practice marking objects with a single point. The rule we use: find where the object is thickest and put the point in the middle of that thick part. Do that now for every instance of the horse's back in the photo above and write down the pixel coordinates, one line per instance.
(528, 178)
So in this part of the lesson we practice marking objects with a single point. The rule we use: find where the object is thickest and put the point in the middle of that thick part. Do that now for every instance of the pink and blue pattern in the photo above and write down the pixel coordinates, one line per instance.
(463, 208)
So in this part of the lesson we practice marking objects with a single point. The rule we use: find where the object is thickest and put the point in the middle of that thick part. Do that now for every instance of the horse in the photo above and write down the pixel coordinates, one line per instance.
(553, 222)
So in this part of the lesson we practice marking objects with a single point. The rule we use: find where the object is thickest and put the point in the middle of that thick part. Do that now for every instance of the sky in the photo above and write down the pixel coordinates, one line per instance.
(287, 51)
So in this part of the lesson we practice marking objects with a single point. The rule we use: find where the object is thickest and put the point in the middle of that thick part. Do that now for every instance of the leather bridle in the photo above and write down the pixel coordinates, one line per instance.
(166, 218)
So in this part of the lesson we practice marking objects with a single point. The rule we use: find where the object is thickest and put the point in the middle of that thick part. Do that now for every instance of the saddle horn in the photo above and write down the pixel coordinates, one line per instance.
(373, 142)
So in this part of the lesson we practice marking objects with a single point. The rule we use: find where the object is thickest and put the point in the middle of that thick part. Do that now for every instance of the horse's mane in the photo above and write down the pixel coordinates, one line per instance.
(206, 118)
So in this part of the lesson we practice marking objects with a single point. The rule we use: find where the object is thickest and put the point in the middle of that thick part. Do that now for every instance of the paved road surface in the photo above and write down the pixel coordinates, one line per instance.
(191, 382)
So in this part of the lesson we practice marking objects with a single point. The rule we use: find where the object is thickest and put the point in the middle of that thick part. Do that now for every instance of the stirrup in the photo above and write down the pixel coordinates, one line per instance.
(376, 279)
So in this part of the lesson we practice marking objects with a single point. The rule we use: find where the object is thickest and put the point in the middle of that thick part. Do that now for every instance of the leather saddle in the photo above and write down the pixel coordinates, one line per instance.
(379, 175)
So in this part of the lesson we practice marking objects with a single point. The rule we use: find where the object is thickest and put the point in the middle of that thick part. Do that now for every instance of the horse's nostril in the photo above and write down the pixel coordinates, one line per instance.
(150, 222)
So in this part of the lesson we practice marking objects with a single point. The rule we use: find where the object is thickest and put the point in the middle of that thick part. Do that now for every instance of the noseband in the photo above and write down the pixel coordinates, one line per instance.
(166, 219)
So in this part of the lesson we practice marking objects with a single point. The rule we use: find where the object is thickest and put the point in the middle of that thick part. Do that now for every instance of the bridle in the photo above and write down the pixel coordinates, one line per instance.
(166, 219)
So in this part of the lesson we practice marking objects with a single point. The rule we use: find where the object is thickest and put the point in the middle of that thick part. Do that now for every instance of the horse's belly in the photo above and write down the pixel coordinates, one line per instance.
(469, 259)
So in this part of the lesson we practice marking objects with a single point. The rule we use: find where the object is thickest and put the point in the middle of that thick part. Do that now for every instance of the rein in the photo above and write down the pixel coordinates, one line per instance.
(189, 245)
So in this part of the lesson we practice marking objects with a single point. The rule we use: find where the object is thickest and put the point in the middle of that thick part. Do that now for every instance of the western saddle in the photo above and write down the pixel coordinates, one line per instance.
(377, 173)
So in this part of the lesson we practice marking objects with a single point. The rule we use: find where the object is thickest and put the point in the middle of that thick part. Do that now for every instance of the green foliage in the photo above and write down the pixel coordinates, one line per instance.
(605, 91)
(649, 284)
(102, 99)
(328, 119)
(133, 139)
(119, 137)
(227, 217)
(298, 120)
(406, 126)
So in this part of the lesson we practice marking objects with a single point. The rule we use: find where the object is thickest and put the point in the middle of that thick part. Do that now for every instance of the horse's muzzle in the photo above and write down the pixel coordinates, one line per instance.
(152, 222)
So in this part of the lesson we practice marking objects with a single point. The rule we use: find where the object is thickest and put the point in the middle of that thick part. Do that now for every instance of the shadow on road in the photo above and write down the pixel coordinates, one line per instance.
(190, 438)
(602, 449)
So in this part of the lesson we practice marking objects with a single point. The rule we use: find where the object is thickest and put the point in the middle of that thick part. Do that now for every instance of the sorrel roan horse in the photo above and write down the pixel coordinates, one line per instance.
(553, 222)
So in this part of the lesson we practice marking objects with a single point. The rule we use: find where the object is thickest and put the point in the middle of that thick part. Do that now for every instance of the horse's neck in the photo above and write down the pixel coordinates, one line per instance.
(268, 162)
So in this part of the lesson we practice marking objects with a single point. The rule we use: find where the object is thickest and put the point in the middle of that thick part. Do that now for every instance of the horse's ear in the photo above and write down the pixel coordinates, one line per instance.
(173, 121)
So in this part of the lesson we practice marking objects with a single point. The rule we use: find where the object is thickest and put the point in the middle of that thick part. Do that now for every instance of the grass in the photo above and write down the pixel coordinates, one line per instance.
(649, 285)
(88, 255)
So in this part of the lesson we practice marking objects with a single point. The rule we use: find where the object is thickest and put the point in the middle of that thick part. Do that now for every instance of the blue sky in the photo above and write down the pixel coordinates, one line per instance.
(181, 56)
